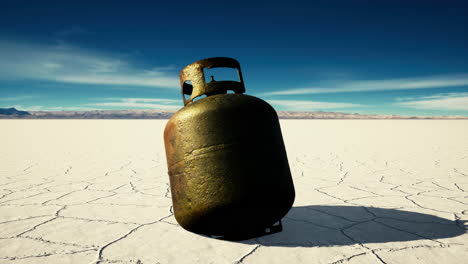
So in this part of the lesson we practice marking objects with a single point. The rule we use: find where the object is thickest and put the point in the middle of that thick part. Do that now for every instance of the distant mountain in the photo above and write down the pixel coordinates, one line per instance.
(100, 114)
(162, 114)
(338, 115)
(13, 112)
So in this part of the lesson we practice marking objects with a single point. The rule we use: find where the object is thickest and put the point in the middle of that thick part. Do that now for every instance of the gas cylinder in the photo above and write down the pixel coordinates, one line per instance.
(227, 164)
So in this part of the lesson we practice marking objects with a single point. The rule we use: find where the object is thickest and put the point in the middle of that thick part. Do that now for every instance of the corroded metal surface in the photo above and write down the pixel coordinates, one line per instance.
(228, 168)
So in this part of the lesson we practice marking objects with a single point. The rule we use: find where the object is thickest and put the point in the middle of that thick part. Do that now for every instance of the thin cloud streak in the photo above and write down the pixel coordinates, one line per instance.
(18, 98)
(452, 101)
(382, 85)
(431, 97)
(146, 100)
(300, 105)
(68, 64)
(142, 103)
(112, 79)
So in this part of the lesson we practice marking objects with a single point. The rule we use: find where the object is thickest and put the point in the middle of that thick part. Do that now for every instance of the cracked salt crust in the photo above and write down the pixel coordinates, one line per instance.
(367, 191)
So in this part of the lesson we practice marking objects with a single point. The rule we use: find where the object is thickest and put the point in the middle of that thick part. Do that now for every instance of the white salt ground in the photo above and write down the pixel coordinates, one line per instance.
(367, 191)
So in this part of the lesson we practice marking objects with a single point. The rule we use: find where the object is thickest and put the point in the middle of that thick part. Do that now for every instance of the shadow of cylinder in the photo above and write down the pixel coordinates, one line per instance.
(311, 226)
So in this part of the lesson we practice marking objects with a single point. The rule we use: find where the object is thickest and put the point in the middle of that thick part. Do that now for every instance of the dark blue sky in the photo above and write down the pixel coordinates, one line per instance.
(385, 57)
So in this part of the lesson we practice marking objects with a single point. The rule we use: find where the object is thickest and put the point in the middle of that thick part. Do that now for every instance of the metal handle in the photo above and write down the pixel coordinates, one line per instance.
(194, 73)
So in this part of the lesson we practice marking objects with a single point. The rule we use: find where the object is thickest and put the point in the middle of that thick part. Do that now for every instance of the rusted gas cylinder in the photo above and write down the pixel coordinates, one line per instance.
(228, 169)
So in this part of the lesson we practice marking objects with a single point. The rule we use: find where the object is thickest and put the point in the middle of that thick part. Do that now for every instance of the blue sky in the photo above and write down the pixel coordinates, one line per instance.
(381, 57)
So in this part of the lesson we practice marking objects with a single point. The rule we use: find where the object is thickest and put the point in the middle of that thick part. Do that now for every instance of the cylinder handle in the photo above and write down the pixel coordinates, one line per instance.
(194, 74)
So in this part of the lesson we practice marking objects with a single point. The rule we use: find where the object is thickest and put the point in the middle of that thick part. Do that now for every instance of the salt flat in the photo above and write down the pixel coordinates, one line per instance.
(367, 191)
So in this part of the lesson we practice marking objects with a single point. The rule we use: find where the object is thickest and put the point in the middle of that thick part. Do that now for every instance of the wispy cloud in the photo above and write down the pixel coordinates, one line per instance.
(68, 64)
(141, 103)
(381, 85)
(431, 97)
(300, 105)
(449, 101)
(17, 98)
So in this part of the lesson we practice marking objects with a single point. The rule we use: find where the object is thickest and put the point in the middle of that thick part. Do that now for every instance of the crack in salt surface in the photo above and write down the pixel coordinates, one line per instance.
(342, 178)
(101, 250)
(49, 254)
(458, 187)
(406, 231)
(372, 251)
(241, 260)
(59, 243)
(347, 259)
(22, 219)
(45, 222)
(458, 172)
